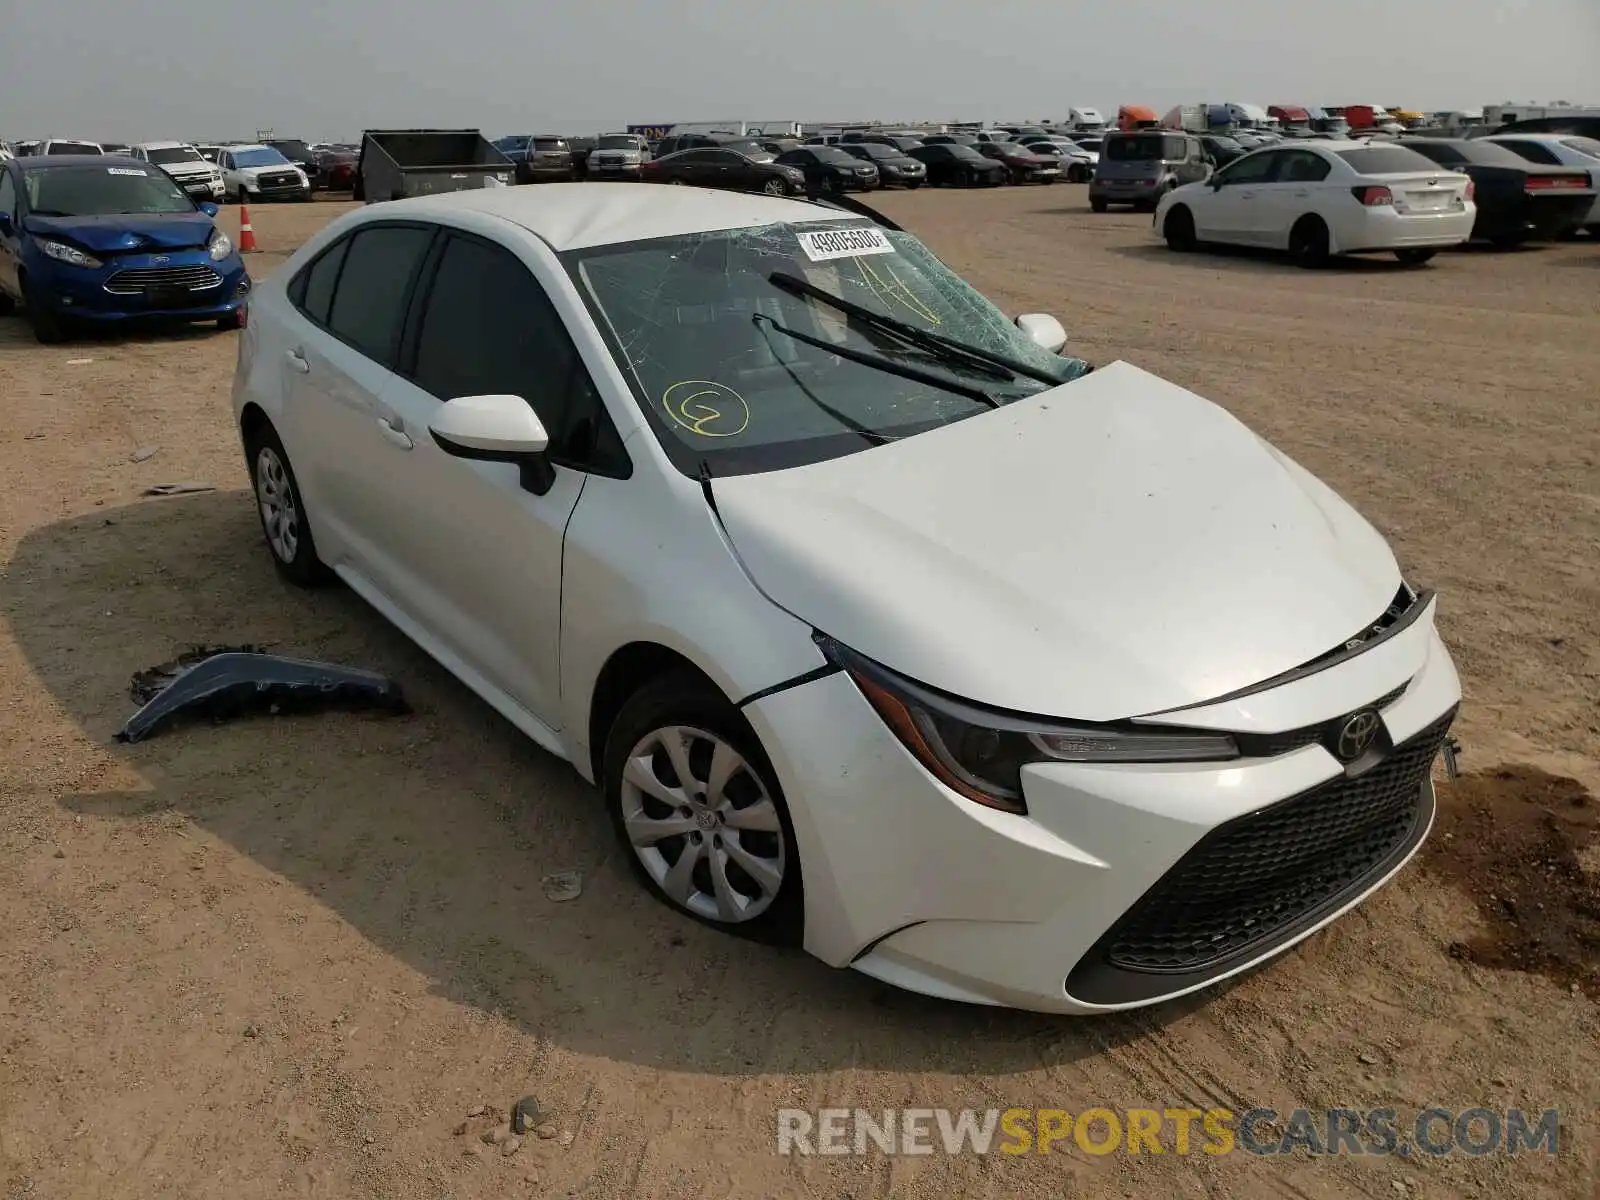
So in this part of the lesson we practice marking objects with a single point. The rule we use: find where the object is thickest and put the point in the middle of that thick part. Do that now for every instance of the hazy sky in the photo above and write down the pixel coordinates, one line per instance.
(143, 69)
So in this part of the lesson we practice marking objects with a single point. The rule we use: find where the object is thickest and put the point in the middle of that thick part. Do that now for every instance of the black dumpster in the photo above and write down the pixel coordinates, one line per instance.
(396, 163)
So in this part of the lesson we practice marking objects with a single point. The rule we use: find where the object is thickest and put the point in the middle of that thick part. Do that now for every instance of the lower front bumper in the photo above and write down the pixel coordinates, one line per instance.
(913, 885)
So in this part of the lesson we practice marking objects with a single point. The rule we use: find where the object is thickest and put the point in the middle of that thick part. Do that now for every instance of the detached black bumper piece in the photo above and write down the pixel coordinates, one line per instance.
(225, 682)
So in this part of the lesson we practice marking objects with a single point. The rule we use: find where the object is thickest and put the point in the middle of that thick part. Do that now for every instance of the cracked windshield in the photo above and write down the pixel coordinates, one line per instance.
(757, 349)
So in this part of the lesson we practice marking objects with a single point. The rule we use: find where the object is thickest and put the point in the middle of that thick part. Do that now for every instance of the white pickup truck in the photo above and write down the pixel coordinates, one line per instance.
(187, 166)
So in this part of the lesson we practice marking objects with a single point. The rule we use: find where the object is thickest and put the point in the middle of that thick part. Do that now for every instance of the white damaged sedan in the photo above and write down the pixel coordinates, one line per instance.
(879, 624)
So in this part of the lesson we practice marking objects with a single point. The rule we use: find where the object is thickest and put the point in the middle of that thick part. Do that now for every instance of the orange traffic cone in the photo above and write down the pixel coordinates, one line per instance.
(247, 235)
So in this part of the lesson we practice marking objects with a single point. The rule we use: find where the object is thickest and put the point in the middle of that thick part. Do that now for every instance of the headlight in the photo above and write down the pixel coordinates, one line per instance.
(71, 255)
(219, 247)
(979, 753)
(302, 175)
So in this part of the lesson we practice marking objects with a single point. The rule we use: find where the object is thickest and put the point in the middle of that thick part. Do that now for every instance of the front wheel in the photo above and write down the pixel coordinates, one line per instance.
(48, 328)
(1415, 258)
(913, 185)
(1098, 206)
(1179, 229)
(695, 802)
(775, 187)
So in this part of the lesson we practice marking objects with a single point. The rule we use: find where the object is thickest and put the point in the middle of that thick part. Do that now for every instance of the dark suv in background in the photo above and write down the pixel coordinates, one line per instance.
(547, 159)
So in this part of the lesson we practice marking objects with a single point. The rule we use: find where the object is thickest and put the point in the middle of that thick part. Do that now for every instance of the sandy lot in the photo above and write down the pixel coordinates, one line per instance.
(286, 958)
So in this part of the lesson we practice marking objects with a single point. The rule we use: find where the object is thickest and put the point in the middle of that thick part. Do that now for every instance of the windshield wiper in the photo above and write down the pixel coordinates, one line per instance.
(935, 343)
(877, 361)
(849, 422)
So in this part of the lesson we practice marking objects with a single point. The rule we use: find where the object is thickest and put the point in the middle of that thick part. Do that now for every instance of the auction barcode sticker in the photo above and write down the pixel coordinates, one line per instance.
(126, 171)
(821, 245)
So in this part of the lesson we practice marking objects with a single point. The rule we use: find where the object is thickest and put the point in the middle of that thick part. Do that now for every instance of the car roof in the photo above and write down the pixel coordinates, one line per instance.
(68, 141)
(246, 146)
(571, 216)
(161, 145)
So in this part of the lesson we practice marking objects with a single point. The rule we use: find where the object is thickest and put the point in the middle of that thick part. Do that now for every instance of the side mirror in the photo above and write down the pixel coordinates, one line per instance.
(496, 429)
(209, 208)
(1044, 329)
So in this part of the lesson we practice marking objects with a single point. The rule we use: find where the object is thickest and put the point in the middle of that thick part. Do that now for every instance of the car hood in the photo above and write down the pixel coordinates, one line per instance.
(1114, 547)
(126, 231)
(191, 167)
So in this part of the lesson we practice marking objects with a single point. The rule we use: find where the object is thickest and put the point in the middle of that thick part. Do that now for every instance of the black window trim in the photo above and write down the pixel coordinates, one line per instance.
(411, 332)
(411, 285)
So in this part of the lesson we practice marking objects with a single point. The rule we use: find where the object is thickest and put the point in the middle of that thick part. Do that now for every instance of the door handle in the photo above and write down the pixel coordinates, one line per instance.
(1247, 195)
(1302, 194)
(298, 361)
(390, 428)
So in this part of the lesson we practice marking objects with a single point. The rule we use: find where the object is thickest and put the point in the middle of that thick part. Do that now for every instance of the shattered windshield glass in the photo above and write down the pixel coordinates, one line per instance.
(696, 324)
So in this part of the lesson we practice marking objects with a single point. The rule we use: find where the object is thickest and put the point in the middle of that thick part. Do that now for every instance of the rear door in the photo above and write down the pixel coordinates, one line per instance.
(1293, 189)
(340, 369)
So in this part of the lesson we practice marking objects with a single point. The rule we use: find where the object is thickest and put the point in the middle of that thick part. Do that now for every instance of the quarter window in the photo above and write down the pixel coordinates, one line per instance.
(369, 305)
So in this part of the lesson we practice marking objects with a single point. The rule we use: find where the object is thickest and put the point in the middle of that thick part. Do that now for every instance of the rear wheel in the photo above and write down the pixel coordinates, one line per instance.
(1415, 258)
(695, 801)
(282, 511)
(1308, 242)
(1179, 229)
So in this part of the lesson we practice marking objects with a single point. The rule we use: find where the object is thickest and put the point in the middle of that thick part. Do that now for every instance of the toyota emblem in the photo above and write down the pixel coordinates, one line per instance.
(1356, 735)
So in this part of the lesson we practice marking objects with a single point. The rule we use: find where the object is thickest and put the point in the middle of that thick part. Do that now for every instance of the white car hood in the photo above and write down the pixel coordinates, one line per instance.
(1114, 547)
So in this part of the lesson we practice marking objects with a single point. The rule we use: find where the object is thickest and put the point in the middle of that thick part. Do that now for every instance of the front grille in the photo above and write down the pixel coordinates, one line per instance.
(1270, 745)
(1264, 877)
(137, 280)
(277, 181)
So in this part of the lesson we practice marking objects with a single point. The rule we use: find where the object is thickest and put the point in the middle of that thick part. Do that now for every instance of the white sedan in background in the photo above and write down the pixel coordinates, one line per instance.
(1318, 199)
(880, 625)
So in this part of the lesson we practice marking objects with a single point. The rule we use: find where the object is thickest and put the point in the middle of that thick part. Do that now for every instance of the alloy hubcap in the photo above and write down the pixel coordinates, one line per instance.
(703, 825)
(279, 516)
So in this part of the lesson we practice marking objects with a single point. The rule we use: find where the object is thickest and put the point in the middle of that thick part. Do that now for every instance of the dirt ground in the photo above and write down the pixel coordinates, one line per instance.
(286, 958)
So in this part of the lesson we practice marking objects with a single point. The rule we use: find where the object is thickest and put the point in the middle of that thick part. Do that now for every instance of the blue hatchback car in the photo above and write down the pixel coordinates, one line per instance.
(106, 238)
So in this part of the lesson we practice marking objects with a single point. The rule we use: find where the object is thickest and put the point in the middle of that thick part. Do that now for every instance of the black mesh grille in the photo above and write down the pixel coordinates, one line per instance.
(1255, 876)
(1270, 745)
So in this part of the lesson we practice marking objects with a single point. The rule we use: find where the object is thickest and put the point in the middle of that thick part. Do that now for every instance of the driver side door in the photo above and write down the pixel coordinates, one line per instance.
(10, 247)
(466, 538)
(1230, 212)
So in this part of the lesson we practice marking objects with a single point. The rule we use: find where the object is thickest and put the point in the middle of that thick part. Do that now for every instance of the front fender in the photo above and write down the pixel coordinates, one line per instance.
(646, 560)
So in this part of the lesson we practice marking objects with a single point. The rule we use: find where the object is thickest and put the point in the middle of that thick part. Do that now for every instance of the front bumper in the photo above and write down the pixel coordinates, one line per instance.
(913, 885)
(613, 170)
(259, 189)
(84, 294)
(202, 187)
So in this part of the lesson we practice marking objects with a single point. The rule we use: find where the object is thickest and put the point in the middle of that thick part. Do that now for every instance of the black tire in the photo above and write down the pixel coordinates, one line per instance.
(301, 567)
(913, 185)
(775, 187)
(7, 304)
(1308, 243)
(1078, 173)
(1415, 257)
(1507, 241)
(48, 328)
(1098, 206)
(1179, 229)
(683, 699)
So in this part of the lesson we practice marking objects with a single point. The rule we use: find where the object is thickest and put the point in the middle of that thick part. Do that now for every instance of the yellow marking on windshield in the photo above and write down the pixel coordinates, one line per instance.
(895, 292)
(699, 404)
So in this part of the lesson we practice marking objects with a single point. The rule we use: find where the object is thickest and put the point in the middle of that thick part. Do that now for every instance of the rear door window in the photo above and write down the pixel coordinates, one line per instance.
(369, 304)
(312, 290)
(1533, 152)
(1385, 160)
